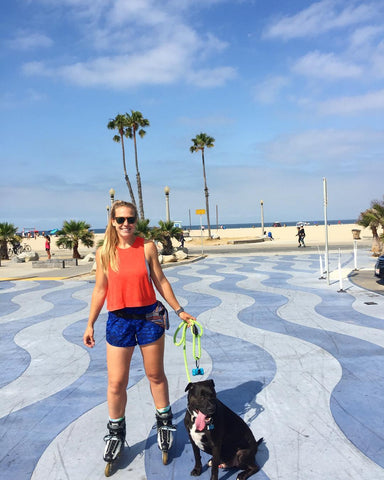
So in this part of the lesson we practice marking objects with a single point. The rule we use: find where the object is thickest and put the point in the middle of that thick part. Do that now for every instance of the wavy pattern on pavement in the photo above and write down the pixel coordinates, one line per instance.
(299, 361)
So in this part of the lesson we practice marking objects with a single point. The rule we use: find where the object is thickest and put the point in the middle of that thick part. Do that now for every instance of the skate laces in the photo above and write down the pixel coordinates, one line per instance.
(164, 424)
(112, 436)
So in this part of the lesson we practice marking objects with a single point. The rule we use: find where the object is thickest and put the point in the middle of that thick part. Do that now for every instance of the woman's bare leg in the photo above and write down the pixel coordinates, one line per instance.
(153, 358)
(118, 363)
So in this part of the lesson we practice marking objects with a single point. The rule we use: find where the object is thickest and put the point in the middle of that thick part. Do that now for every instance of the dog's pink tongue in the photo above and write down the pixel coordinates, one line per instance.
(200, 421)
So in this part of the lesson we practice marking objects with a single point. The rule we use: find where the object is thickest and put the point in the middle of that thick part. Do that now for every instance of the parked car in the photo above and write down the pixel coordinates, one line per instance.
(379, 267)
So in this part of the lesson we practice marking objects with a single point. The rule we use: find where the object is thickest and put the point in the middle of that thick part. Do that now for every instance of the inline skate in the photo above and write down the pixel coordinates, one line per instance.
(115, 440)
(165, 430)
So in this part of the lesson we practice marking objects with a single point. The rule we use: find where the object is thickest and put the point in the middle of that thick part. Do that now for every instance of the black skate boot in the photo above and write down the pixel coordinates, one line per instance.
(114, 444)
(165, 431)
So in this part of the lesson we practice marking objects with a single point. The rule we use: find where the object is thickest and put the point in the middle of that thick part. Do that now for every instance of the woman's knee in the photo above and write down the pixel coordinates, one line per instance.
(116, 386)
(156, 377)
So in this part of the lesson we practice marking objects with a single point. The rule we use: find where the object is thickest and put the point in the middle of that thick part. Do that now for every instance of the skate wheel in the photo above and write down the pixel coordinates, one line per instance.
(165, 458)
(108, 469)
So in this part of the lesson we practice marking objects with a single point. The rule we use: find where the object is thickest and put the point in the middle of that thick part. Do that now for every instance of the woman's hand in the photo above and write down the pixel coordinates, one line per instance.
(88, 338)
(187, 318)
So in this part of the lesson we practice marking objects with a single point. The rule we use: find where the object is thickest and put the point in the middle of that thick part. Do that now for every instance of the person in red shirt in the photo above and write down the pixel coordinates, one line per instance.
(127, 269)
(48, 246)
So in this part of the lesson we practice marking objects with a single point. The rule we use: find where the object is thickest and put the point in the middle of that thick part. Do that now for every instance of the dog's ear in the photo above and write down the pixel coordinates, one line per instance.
(212, 383)
(188, 387)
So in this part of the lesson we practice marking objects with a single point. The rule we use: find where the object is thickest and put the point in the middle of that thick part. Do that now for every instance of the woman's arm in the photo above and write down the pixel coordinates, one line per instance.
(98, 297)
(161, 282)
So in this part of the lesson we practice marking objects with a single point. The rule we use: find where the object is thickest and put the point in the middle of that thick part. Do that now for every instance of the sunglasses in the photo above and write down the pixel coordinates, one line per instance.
(121, 220)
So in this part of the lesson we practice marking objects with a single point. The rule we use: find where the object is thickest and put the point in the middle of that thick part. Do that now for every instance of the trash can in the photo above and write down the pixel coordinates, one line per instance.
(356, 234)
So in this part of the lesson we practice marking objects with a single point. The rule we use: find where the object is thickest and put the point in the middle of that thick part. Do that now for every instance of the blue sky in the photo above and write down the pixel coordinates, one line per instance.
(292, 91)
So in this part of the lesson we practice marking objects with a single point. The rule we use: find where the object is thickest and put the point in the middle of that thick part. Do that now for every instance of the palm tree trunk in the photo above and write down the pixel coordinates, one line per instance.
(76, 253)
(376, 242)
(4, 250)
(206, 194)
(167, 247)
(138, 180)
(127, 181)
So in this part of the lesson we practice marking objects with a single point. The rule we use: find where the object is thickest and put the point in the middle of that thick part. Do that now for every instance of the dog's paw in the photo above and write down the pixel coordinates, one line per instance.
(221, 465)
(196, 472)
(245, 475)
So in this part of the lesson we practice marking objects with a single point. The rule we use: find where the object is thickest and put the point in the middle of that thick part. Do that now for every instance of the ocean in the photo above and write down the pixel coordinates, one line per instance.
(251, 225)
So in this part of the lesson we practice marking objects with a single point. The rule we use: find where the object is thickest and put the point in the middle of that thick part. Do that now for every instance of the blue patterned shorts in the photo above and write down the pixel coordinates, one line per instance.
(128, 332)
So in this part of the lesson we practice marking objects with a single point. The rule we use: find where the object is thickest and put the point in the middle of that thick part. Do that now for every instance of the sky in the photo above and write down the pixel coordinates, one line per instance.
(291, 91)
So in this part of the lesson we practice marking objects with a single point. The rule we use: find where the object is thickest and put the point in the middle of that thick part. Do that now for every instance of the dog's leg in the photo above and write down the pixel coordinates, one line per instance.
(245, 460)
(215, 461)
(198, 466)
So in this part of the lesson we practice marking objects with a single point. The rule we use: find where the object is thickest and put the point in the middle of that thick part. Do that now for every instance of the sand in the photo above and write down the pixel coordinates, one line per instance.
(315, 235)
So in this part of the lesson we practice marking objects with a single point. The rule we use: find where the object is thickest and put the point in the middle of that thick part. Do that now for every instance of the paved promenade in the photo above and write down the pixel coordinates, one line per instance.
(301, 361)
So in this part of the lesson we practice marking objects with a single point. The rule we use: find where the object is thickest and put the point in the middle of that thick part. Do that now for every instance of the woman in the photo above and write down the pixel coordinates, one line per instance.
(126, 267)
(48, 246)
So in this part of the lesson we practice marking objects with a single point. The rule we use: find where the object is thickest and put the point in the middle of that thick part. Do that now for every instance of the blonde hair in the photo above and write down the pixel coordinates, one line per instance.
(108, 252)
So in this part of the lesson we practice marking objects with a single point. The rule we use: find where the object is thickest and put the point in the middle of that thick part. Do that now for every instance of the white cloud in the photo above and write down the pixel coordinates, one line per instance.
(145, 12)
(354, 105)
(157, 56)
(319, 150)
(326, 66)
(212, 77)
(12, 100)
(164, 65)
(24, 40)
(362, 37)
(319, 18)
(269, 90)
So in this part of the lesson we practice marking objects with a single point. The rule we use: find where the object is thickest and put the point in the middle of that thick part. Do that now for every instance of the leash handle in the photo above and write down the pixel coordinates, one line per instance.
(196, 351)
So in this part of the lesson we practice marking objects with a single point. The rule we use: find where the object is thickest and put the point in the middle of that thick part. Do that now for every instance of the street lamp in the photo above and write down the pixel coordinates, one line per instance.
(166, 191)
(262, 217)
(112, 195)
(107, 213)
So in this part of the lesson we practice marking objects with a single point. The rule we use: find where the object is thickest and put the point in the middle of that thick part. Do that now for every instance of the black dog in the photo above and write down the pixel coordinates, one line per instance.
(215, 429)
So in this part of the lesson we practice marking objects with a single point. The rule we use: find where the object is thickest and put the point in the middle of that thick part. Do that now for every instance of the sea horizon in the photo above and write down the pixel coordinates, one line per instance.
(220, 226)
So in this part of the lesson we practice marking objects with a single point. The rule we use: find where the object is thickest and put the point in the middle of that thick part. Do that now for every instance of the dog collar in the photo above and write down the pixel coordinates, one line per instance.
(210, 425)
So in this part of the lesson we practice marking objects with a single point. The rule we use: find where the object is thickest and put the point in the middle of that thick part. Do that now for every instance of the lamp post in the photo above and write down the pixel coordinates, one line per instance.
(166, 191)
(262, 217)
(112, 195)
(107, 213)
(325, 201)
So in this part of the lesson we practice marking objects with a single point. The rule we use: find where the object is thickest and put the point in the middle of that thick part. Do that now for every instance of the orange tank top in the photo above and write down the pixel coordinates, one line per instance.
(131, 285)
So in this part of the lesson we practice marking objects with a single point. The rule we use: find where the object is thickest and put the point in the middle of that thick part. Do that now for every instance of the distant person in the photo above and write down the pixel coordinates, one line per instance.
(270, 236)
(15, 246)
(301, 235)
(181, 240)
(48, 246)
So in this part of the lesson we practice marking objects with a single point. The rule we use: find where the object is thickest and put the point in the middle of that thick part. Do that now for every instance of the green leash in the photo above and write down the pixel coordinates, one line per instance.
(196, 345)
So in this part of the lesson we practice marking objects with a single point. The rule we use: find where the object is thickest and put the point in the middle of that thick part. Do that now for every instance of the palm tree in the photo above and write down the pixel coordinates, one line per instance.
(374, 218)
(164, 234)
(7, 234)
(200, 142)
(119, 123)
(143, 229)
(135, 122)
(74, 232)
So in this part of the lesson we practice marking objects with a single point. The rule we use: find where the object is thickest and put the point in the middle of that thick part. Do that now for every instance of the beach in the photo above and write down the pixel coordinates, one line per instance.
(315, 236)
